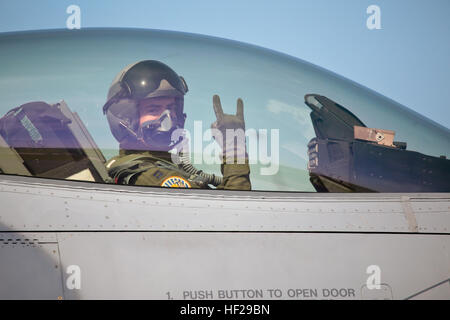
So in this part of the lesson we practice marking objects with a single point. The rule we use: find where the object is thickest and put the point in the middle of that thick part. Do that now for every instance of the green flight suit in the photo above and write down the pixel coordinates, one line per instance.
(151, 168)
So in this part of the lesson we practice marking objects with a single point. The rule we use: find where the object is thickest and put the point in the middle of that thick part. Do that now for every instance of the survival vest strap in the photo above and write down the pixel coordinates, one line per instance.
(128, 172)
(124, 173)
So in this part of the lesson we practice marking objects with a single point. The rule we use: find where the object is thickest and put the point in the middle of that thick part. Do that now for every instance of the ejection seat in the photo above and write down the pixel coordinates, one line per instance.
(49, 141)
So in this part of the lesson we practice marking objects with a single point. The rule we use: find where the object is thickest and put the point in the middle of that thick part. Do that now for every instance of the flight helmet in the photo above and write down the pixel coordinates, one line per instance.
(136, 82)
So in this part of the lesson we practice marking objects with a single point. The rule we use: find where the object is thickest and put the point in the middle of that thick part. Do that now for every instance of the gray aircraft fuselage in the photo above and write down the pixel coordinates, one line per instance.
(79, 240)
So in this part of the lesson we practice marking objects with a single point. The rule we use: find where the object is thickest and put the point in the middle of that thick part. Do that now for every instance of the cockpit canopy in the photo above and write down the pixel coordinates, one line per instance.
(307, 129)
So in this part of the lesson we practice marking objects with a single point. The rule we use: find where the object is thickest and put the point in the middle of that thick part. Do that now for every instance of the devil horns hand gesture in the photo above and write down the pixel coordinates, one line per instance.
(230, 130)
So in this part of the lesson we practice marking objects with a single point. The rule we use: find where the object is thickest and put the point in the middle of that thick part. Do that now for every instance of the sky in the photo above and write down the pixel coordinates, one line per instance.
(406, 60)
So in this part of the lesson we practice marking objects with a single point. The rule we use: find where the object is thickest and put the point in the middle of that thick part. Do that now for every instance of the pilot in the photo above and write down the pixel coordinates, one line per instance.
(144, 108)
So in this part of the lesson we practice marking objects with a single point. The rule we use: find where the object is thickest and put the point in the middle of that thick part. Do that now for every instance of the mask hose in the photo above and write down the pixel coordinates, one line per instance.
(209, 178)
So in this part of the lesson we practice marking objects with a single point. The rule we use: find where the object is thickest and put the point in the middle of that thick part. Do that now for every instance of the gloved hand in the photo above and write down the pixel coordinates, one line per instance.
(233, 148)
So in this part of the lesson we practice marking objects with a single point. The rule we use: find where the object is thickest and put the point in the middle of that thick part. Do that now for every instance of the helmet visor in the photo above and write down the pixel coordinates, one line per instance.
(151, 79)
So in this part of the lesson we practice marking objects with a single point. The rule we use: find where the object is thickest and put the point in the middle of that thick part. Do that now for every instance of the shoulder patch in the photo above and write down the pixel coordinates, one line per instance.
(175, 182)
(158, 174)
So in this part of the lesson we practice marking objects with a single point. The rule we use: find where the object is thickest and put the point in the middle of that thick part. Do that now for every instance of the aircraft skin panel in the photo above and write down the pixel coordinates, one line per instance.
(436, 292)
(187, 265)
(77, 206)
(306, 246)
(149, 265)
(30, 266)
